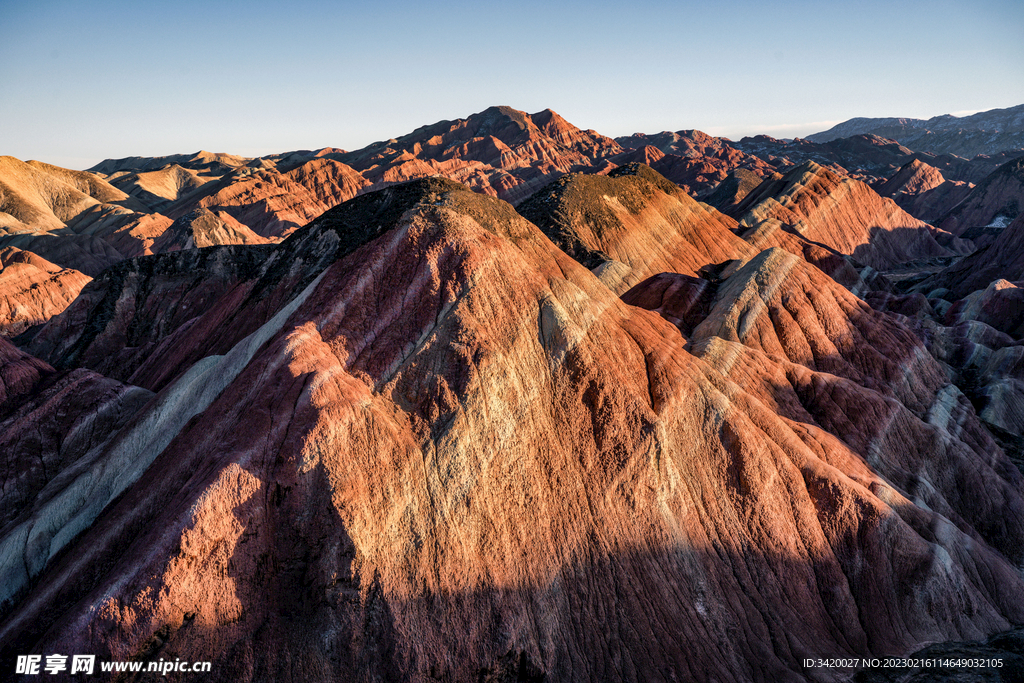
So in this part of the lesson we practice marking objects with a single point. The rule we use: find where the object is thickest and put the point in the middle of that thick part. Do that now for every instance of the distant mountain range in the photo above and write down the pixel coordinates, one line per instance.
(987, 132)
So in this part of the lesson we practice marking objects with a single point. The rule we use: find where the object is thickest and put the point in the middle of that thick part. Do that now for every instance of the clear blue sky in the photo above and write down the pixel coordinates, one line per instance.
(82, 81)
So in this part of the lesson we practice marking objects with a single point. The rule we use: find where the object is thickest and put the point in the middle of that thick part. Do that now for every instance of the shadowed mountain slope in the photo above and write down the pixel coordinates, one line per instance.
(694, 160)
(868, 158)
(1002, 259)
(995, 201)
(733, 188)
(20, 373)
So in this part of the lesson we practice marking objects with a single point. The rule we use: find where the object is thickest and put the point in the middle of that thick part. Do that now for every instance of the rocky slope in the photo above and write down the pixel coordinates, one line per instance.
(922, 191)
(122, 207)
(417, 441)
(869, 158)
(694, 160)
(20, 374)
(77, 220)
(159, 188)
(500, 151)
(865, 158)
(632, 224)
(611, 433)
(700, 163)
(1002, 259)
(203, 162)
(37, 197)
(734, 187)
(204, 228)
(273, 204)
(842, 214)
(771, 232)
(33, 290)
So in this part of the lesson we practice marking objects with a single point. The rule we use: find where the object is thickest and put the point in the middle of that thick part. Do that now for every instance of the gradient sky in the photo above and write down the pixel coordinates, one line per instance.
(83, 81)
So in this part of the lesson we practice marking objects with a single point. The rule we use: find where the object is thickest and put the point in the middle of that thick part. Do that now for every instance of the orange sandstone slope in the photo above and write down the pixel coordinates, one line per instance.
(33, 290)
(500, 151)
(79, 220)
(208, 164)
(913, 178)
(842, 214)
(36, 197)
(158, 188)
(818, 355)
(73, 219)
(204, 228)
(457, 455)
(634, 223)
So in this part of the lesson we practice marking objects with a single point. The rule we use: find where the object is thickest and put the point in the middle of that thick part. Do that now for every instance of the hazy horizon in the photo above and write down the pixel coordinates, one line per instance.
(113, 79)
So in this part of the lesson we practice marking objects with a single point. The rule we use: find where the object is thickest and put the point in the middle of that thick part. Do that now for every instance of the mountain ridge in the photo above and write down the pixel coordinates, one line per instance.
(985, 132)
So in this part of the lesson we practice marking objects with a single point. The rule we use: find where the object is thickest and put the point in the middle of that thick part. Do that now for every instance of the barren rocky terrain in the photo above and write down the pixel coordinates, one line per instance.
(505, 400)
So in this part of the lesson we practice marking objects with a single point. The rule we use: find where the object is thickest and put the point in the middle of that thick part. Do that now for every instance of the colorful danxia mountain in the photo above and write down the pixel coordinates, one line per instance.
(506, 400)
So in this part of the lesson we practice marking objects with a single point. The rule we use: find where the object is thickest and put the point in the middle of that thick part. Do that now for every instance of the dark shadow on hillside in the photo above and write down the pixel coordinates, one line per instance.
(888, 249)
